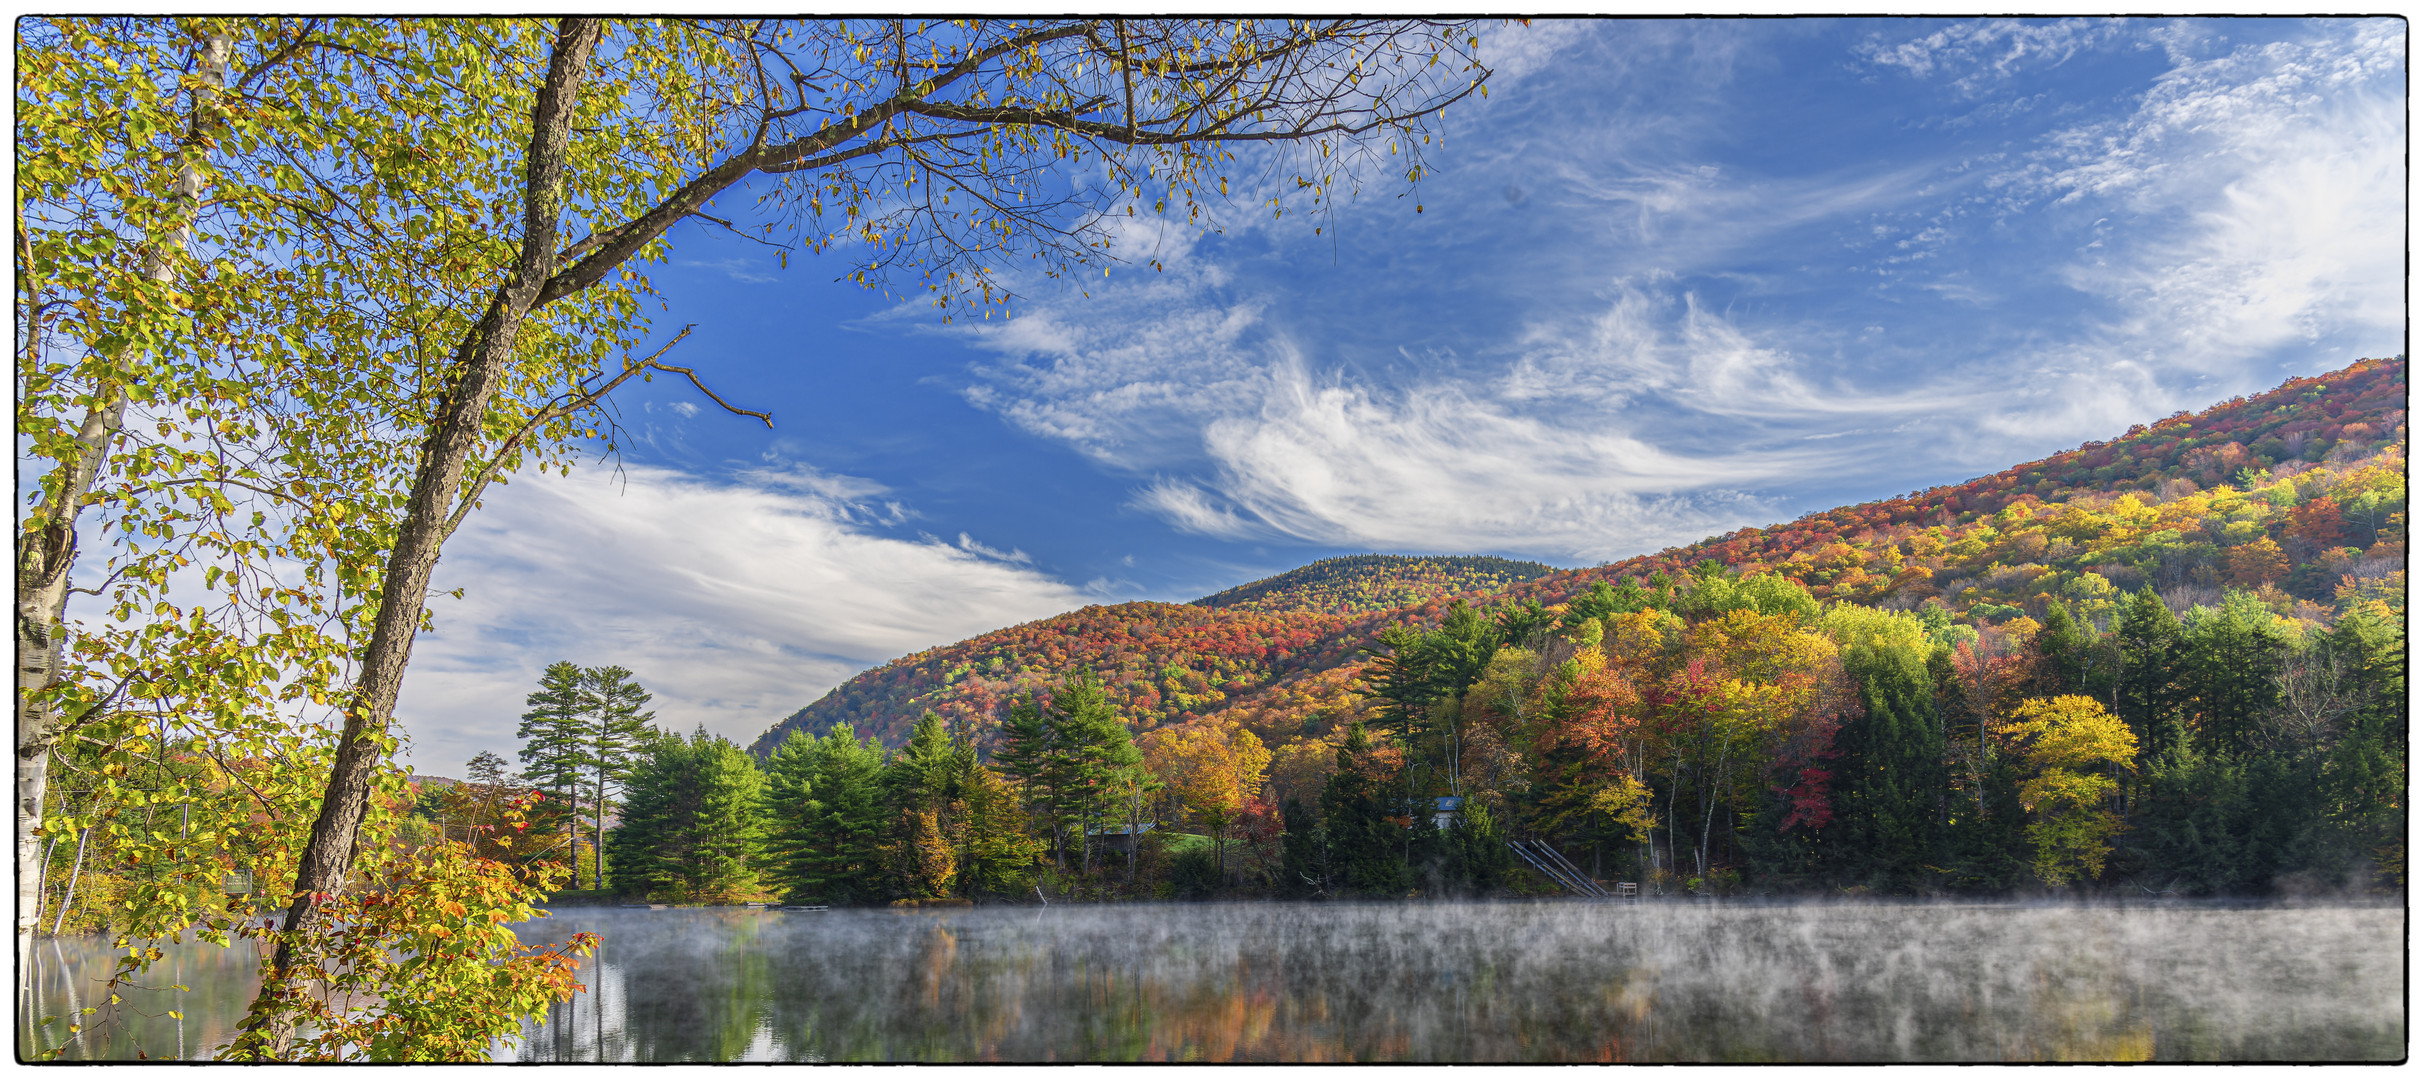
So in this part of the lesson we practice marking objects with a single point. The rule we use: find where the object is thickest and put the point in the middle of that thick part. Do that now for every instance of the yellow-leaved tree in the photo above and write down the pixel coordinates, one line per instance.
(295, 291)
(1214, 767)
(2073, 748)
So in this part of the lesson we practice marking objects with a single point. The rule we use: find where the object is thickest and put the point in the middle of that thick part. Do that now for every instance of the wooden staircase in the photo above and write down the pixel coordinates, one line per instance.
(1551, 862)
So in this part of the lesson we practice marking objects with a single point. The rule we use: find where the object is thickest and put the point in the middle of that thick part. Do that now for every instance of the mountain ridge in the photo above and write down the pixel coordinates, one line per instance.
(2297, 493)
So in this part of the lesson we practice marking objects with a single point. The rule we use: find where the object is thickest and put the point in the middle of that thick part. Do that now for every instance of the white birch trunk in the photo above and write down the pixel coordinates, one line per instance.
(44, 559)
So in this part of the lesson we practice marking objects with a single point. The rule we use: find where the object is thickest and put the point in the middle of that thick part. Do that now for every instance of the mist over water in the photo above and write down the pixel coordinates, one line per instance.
(1487, 982)
(1548, 981)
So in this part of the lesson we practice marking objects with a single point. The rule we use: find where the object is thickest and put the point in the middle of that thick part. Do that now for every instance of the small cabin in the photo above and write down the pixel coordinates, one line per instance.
(1120, 838)
(1443, 811)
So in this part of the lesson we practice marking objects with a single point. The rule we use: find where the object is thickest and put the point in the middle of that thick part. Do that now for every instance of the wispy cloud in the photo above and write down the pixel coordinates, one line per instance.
(2251, 203)
(735, 603)
(745, 271)
(1549, 453)
(1979, 54)
(1647, 335)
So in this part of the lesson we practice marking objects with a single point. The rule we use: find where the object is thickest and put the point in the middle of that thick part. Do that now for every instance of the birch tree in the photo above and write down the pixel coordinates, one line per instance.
(422, 266)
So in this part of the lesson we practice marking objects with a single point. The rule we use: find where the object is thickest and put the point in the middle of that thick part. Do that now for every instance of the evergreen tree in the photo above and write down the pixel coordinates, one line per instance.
(659, 803)
(692, 821)
(1366, 848)
(997, 856)
(730, 826)
(1028, 754)
(1889, 775)
(552, 731)
(790, 809)
(1403, 676)
(617, 726)
(1303, 853)
(486, 770)
(2222, 822)
(2148, 636)
(2232, 655)
(552, 753)
(1598, 603)
(1478, 843)
(922, 784)
(2067, 661)
(839, 846)
(926, 773)
(1093, 745)
(1520, 625)
(1986, 840)
(2366, 768)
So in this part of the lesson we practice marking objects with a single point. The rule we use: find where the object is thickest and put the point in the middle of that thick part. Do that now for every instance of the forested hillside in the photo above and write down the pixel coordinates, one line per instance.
(2296, 496)
(1358, 584)
(2290, 489)
(2170, 663)
(1158, 662)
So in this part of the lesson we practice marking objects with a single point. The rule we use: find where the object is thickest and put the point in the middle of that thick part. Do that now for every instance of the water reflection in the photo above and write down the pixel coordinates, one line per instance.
(1450, 982)
(1482, 982)
(65, 975)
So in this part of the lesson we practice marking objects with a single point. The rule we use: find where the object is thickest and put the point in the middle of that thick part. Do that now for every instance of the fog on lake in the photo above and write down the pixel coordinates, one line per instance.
(1555, 981)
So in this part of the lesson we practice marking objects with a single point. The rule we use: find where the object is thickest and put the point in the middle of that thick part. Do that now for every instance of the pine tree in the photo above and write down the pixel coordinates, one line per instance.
(996, 855)
(1478, 844)
(1093, 747)
(2366, 769)
(2232, 655)
(790, 809)
(1303, 853)
(486, 770)
(2148, 636)
(659, 801)
(922, 785)
(692, 821)
(835, 845)
(617, 728)
(552, 732)
(1889, 775)
(1027, 754)
(1366, 847)
(730, 826)
(925, 774)
(2062, 653)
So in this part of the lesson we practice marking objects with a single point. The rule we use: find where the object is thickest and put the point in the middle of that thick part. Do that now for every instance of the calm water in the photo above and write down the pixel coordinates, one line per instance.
(1446, 982)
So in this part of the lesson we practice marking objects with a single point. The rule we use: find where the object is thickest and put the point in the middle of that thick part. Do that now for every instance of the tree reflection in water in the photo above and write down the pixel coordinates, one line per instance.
(1486, 982)
(1414, 982)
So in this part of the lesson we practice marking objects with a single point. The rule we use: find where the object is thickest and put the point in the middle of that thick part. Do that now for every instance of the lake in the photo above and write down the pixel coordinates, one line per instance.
(1540, 981)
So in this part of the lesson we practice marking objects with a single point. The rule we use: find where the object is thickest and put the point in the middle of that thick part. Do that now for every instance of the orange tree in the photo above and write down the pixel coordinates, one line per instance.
(1215, 768)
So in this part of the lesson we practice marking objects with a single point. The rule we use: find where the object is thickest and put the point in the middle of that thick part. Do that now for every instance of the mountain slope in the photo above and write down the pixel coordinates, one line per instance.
(1358, 584)
(1159, 663)
(2331, 436)
(2297, 494)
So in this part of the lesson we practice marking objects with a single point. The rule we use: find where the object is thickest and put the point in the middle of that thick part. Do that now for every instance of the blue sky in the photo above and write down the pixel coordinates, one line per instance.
(1672, 278)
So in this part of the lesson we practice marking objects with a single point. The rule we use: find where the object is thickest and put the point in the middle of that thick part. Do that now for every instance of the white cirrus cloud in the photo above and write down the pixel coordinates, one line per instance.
(734, 602)
(2253, 206)
(1980, 53)
(1652, 424)
(1680, 352)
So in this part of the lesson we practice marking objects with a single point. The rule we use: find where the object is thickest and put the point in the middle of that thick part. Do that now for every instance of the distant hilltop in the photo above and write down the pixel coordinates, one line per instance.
(1355, 584)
